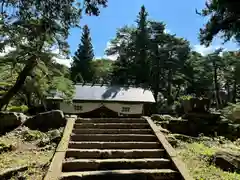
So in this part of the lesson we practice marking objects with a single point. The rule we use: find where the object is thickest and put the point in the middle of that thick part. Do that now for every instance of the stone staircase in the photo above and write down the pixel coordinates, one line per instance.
(117, 149)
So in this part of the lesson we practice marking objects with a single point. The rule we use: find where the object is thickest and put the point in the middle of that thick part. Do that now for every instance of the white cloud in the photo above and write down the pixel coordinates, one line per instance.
(167, 31)
(64, 61)
(55, 51)
(109, 45)
(111, 57)
(205, 50)
(7, 50)
(59, 58)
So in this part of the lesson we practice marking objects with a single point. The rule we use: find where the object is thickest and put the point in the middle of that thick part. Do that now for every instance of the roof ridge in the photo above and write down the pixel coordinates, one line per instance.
(109, 85)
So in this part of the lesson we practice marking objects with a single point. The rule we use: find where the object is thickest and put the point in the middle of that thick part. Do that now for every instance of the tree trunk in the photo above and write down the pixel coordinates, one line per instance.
(228, 92)
(155, 76)
(29, 99)
(234, 91)
(42, 100)
(32, 62)
(177, 93)
(216, 85)
(156, 79)
(170, 97)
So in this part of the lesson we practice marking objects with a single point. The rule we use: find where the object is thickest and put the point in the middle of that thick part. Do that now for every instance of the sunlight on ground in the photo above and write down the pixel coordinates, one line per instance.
(196, 156)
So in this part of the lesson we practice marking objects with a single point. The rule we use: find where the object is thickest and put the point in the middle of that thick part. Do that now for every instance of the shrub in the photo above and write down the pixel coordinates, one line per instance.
(22, 108)
(186, 97)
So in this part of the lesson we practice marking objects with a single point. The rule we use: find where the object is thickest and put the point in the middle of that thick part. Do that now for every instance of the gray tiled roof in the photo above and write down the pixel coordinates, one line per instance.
(112, 93)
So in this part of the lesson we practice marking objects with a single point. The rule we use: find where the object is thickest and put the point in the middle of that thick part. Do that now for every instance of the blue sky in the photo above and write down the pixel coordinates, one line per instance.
(179, 16)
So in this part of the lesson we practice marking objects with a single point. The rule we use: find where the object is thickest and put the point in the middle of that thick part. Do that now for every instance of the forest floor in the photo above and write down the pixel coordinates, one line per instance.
(197, 155)
(26, 154)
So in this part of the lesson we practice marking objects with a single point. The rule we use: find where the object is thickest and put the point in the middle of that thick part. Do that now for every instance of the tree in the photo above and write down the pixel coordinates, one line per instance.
(103, 69)
(214, 62)
(124, 38)
(178, 49)
(131, 46)
(224, 18)
(37, 86)
(197, 75)
(157, 41)
(83, 57)
(122, 46)
(146, 55)
(33, 27)
(169, 55)
(231, 68)
(122, 73)
(141, 42)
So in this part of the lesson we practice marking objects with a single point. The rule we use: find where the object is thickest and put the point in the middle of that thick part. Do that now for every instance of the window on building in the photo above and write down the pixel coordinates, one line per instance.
(78, 108)
(125, 109)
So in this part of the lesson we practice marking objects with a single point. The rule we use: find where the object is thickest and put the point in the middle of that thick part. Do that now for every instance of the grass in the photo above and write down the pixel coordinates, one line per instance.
(196, 156)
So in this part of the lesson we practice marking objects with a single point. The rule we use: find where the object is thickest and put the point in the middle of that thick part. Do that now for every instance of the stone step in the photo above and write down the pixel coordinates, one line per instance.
(133, 174)
(113, 164)
(112, 125)
(113, 137)
(110, 120)
(115, 153)
(114, 145)
(112, 131)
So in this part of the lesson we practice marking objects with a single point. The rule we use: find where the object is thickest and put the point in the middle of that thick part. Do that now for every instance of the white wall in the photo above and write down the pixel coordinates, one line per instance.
(87, 107)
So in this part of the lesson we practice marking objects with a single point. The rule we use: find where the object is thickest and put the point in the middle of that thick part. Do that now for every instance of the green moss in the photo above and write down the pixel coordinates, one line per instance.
(200, 148)
(33, 135)
(22, 108)
(196, 157)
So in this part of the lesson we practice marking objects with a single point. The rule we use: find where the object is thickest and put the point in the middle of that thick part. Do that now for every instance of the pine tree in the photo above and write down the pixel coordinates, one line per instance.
(141, 61)
(156, 63)
(82, 61)
(123, 46)
(121, 69)
(223, 18)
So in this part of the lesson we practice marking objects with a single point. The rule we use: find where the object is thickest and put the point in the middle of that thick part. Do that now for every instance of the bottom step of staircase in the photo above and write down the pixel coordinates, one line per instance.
(136, 174)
